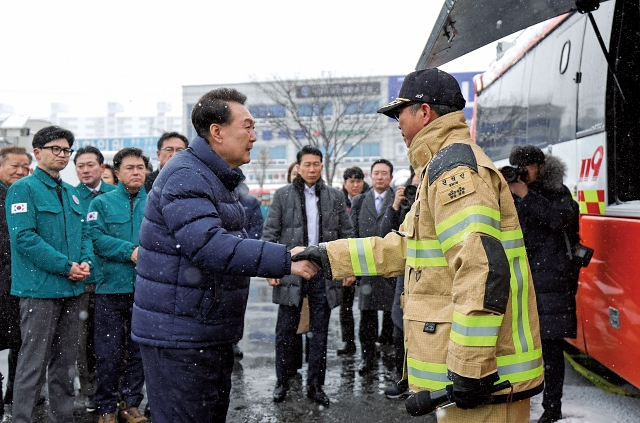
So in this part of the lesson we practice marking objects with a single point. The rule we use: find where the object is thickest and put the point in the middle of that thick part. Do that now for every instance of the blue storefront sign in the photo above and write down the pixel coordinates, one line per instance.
(147, 144)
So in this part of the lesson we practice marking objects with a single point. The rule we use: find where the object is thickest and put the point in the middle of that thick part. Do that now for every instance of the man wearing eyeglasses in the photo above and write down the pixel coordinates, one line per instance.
(169, 144)
(51, 256)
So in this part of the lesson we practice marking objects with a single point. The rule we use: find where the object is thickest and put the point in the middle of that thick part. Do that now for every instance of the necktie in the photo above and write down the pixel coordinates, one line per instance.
(378, 203)
(94, 194)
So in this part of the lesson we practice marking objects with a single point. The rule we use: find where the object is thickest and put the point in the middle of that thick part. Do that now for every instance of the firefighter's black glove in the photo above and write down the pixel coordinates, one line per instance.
(470, 393)
(311, 253)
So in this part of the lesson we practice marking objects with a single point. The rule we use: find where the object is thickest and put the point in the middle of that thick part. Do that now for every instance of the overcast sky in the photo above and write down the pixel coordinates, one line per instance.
(138, 52)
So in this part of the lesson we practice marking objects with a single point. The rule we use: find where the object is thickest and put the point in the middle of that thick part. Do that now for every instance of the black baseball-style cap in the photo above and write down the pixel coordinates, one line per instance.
(431, 86)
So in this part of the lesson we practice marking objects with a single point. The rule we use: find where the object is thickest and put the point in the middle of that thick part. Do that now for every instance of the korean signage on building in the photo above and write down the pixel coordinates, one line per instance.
(149, 145)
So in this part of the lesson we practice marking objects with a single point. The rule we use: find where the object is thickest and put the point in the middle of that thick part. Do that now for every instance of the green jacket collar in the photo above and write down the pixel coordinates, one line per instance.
(44, 177)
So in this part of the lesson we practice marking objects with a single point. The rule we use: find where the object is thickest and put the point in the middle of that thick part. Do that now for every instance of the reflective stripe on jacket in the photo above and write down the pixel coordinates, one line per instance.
(469, 303)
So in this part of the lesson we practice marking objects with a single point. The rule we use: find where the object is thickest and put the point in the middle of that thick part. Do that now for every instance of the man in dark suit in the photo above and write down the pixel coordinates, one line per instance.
(376, 293)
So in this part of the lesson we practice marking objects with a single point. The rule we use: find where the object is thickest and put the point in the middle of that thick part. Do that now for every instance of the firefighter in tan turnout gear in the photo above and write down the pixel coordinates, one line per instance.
(470, 316)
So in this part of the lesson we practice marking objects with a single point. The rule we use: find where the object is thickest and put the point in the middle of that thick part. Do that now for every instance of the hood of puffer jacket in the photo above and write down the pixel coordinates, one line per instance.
(551, 178)
(443, 131)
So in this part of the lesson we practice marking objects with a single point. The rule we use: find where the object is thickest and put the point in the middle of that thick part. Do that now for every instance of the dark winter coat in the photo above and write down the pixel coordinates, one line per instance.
(286, 224)
(545, 214)
(5, 246)
(9, 305)
(376, 292)
(150, 179)
(194, 261)
(347, 201)
(253, 214)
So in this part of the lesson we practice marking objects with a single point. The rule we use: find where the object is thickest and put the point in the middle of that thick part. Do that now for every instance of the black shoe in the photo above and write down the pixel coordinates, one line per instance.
(90, 405)
(551, 414)
(398, 391)
(237, 352)
(349, 348)
(280, 392)
(317, 394)
(367, 367)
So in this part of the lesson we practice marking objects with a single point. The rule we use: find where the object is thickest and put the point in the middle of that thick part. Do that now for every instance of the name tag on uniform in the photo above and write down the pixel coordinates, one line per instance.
(92, 216)
(18, 208)
(455, 187)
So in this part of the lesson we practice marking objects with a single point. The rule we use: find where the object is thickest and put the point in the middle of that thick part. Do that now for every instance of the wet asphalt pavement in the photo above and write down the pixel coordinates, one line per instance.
(353, 398)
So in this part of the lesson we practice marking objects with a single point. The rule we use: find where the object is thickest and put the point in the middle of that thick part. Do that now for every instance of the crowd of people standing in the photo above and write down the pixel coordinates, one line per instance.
(147, 272)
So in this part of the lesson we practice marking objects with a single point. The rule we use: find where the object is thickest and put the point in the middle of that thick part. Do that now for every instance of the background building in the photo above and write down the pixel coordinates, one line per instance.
(279, 120)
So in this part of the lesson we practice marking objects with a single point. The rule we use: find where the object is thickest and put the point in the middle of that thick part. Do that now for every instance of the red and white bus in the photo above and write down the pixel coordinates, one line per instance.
(568, 86)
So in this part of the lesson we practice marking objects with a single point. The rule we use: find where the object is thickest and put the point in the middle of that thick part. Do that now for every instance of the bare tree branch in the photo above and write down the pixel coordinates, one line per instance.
(262, 161)
(334, 115)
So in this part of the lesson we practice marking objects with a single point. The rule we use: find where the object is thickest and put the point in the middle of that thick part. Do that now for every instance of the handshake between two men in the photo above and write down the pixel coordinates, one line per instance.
(306, 262)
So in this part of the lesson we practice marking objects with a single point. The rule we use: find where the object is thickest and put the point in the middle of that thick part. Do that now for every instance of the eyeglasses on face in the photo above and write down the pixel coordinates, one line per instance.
(172, 150)
(57, 150)
(395, 113)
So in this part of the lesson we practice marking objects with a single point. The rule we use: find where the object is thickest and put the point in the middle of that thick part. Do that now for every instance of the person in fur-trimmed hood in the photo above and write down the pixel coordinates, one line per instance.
(548, 214)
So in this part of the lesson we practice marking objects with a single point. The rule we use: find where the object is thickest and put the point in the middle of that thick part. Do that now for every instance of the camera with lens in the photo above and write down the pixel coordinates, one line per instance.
(410, 193)
(512, 173)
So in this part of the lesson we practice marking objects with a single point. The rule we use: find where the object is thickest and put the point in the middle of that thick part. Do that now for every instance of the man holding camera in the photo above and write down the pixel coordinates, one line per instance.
(549, 218)
(470, 316)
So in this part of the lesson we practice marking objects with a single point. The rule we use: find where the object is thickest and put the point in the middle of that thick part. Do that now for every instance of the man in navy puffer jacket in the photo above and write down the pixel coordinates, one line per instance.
(194, 265)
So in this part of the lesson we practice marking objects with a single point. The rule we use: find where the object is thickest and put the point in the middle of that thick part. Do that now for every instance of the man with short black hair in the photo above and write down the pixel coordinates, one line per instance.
(169, 144)
(470, 314)
(305, 212)
(14, 165)
(115, 219)
(89, 163)
(195, 264)
(51, 256)
(354, 184)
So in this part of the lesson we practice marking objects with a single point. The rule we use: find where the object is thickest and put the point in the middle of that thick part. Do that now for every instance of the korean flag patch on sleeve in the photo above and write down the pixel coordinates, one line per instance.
(18, 208)
(92, 216)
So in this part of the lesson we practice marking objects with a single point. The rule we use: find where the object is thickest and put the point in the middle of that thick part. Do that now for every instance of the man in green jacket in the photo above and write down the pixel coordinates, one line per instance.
(51, 256)
(89, 163)
(115, 219)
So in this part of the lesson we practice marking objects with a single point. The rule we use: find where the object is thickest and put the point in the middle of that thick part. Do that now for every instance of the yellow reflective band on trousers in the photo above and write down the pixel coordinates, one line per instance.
(520, 367)
(362, 259)
(475, 331)
(425, 254)
(514, 368)
(430, 376)
(472, 219)
(513, 244)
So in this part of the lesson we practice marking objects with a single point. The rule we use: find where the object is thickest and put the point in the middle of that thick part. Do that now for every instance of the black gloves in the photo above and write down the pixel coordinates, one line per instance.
(470, 393)
(311, 253)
